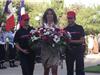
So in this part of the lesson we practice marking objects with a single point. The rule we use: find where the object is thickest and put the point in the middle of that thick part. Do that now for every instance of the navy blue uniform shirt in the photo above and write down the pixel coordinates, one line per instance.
(22, 38)
(76, 32)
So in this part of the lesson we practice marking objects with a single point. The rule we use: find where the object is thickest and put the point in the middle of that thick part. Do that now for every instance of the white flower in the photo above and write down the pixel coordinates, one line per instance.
(53, 45)
(69, 35)
(44, 30)
(56, 39)
(34, 38)
(7, 39)
(46, 33)
(53, 29)
(32, 31)
(46, 26)
(41, 29)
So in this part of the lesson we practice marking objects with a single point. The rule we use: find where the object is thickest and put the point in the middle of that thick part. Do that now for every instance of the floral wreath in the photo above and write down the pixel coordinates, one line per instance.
(51, 36)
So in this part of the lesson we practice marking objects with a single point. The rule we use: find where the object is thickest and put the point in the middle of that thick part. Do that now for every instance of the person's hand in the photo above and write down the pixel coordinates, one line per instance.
(25, 51)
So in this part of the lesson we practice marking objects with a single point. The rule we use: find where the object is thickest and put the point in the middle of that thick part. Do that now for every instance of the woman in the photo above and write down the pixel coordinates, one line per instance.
(99, 41)
(90, 43)
(49, 54)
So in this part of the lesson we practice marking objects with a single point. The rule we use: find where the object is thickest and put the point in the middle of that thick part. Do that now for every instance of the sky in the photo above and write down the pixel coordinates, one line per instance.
(86, 3)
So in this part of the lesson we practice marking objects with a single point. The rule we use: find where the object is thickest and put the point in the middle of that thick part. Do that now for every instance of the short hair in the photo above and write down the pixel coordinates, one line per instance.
(44, 18)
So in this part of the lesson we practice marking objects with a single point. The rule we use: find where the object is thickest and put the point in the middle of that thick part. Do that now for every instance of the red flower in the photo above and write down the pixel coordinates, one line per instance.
(45, 38)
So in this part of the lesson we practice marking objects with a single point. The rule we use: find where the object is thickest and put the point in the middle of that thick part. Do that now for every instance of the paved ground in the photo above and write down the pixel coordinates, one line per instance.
(92, 59)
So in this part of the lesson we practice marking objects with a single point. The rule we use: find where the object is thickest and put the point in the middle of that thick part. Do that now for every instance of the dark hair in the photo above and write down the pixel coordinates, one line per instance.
(44, 18)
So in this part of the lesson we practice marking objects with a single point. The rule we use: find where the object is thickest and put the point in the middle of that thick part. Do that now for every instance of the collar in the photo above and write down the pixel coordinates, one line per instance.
(71, 25)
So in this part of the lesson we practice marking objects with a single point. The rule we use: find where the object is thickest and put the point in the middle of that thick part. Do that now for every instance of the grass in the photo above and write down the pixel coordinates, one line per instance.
(93, 69)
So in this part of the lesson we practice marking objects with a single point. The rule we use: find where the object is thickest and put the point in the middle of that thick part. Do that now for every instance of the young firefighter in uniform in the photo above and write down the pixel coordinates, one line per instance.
(26, 55)
(76, 52)
(10, 47)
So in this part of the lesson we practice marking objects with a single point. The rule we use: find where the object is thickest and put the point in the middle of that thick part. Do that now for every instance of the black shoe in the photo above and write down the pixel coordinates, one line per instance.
(13, 65)
(3, 67)
(0, 67)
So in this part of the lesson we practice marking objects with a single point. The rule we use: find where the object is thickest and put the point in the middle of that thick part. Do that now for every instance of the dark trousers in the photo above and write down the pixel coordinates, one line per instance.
(75, 55)
(11, 52)
(27, 63)
(2, 53)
